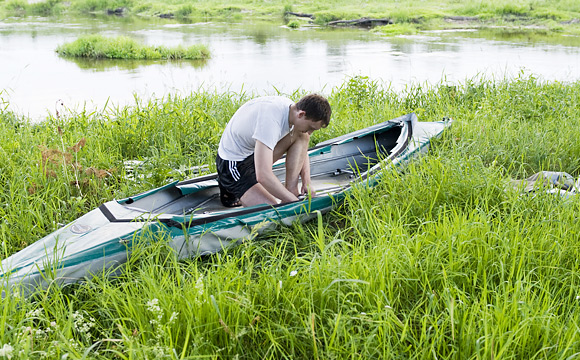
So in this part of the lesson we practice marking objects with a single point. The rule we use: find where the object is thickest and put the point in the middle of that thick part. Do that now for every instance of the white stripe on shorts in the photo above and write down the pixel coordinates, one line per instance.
(234, 170)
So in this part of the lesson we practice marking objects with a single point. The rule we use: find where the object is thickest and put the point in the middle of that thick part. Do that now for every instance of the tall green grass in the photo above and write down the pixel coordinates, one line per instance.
(98, 47)
(442, 260)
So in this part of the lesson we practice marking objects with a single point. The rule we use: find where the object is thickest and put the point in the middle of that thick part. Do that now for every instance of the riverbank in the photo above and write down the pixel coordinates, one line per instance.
(441, 260)
(558, 16)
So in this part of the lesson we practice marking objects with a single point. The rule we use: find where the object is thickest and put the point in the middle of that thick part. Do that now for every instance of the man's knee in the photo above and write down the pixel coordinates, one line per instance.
(301, 140)
(257, 194)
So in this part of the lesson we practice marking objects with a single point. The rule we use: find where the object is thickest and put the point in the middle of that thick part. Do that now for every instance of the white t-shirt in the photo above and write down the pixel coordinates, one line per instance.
(264, 119)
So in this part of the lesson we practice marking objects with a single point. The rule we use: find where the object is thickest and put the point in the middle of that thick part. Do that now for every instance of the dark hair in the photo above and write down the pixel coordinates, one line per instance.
(316, 108)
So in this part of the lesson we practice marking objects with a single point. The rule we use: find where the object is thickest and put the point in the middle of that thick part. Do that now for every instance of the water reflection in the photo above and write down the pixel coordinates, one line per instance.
(525, 36)
(260, 37)
(116, 64)
(261, 58)
(336, 56)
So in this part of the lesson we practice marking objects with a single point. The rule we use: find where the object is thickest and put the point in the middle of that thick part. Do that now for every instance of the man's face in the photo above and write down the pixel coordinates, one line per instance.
(305, 125)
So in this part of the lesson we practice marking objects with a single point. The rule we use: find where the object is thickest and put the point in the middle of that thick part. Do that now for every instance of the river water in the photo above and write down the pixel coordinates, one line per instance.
(258, 58)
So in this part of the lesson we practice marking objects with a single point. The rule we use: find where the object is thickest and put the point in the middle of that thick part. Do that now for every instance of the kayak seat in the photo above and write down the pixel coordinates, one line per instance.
(197, 186)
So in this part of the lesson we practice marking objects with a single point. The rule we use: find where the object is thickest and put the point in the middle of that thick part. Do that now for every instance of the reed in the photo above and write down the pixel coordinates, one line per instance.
(442, 260)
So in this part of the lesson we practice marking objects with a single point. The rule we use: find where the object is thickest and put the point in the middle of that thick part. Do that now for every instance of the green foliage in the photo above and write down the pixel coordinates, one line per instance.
(229, 10)
(144, 7)
(512, 9)
(89, 6)
(414, 14)
(427, 14)
(397, 29)
(550, 14)
(97, 46)
(47, 7)
(294, 24)
(324, 17)
(15, 6)
(185, 11)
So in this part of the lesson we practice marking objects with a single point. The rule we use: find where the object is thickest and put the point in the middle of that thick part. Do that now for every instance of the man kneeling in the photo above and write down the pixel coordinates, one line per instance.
(260, 133)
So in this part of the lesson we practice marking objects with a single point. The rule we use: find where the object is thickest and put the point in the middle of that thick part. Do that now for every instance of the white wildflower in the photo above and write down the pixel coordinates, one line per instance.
(199, 299)
(75, 345)
(160, 351)
(39, 333)
(153, 305)
(173, 317)
(34, 313)
(6, 351)
(199, 286)
(83, 325)
(293, 273)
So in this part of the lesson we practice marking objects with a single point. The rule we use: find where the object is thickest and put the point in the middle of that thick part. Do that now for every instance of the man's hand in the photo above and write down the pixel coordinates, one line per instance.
(308, 189)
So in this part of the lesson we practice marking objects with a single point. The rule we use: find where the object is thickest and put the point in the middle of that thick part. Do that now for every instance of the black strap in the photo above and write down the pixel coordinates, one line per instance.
(108, 214)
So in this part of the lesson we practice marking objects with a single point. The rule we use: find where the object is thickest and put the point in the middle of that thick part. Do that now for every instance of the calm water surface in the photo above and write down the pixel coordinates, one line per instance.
(258, 58)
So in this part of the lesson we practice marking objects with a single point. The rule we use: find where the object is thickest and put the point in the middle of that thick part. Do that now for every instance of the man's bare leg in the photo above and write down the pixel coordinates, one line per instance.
(295, 147)
(257, 194)
(295, 157)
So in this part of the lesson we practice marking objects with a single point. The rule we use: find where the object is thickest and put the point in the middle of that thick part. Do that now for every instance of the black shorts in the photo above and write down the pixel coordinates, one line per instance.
(235, 178)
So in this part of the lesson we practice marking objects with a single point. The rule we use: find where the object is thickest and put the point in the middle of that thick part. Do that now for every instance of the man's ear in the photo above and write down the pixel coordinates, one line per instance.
(301, 113)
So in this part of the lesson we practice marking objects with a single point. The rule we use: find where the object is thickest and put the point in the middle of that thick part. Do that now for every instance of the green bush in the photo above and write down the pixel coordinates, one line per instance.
(397, 29)
(184, 11)
(48, 7)
(16, 6)
(512, 9)
(323, 18)
(294, 24)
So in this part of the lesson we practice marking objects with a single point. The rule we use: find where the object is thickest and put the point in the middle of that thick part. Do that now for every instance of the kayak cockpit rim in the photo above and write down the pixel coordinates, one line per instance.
(403, 132)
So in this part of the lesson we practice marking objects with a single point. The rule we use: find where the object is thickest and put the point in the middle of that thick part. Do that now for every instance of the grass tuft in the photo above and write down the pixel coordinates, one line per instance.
(397, 29)
(100, 47)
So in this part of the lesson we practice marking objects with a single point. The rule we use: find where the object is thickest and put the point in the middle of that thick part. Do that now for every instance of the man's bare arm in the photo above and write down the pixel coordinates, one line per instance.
(263, 160)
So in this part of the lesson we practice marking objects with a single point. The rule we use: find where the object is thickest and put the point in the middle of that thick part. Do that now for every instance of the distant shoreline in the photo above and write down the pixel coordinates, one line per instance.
(557, 16)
